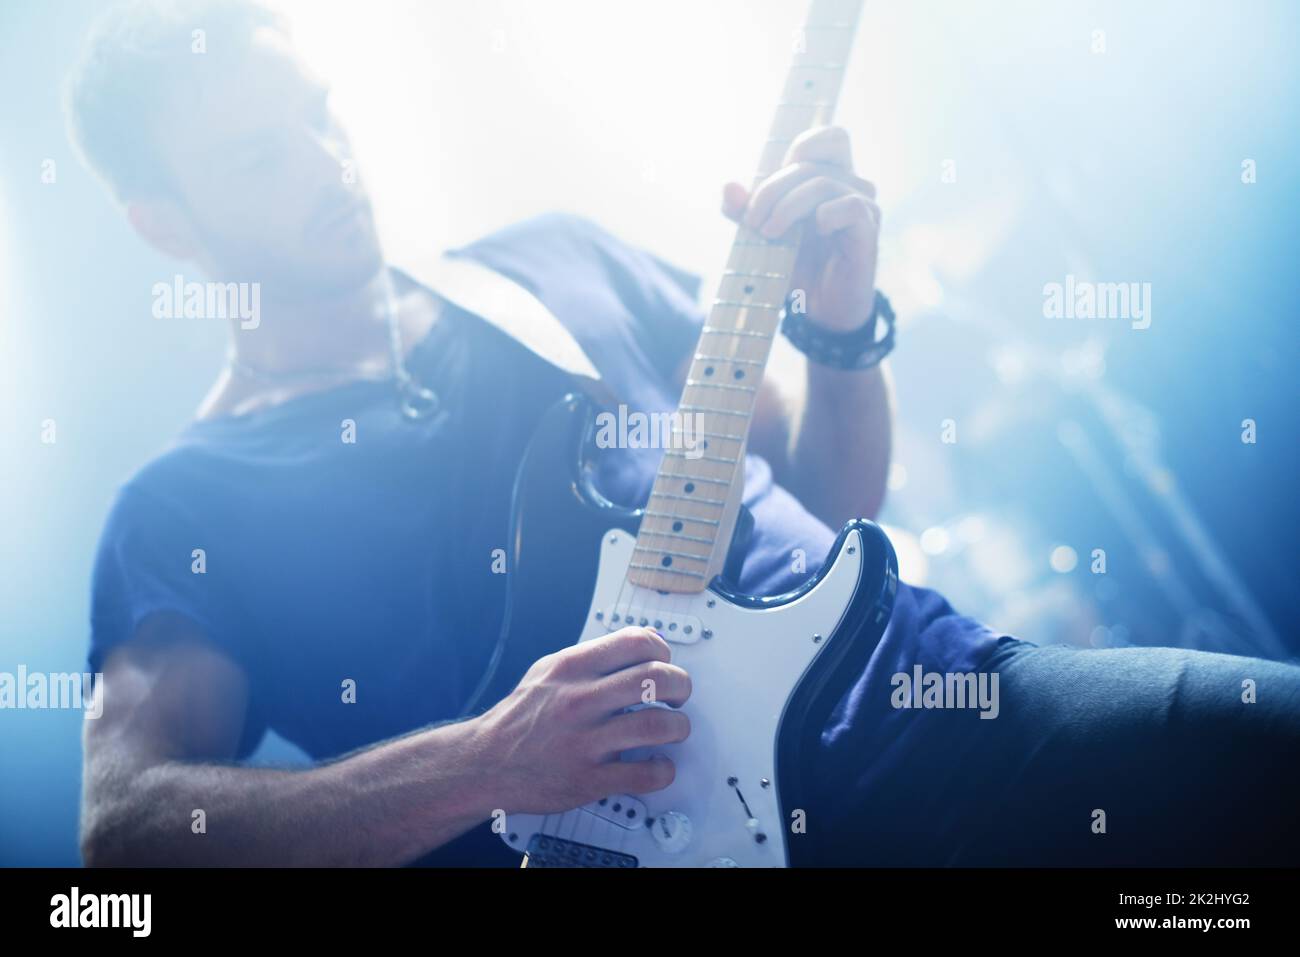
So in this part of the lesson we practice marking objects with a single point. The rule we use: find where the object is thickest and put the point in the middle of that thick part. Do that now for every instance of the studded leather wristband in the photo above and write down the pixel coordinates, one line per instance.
(859, 349)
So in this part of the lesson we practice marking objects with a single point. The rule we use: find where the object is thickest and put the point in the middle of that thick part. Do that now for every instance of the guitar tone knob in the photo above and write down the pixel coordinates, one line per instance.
(671, 831)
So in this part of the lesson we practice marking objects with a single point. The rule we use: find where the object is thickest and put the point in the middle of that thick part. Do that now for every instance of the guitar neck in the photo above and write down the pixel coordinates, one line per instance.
(691, 515)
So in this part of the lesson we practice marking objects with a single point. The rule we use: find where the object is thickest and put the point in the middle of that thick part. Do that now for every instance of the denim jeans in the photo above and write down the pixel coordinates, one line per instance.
(1121, 757)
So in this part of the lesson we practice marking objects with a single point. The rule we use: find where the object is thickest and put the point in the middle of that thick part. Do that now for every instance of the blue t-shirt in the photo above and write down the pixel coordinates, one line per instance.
(326, 560)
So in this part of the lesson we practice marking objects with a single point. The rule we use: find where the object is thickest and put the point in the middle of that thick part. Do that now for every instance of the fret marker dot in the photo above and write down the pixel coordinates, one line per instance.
(708, 371)
(740, 373)
(690, 487)
(677, 526)
(666, 561)
(749, 289)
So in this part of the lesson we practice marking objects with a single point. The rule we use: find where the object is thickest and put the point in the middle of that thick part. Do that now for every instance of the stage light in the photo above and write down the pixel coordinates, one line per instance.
(913, 567)
(970, 530)
(466, 116)
(897, 476)
(1064, 559)
(935, 541)
(1010, 364)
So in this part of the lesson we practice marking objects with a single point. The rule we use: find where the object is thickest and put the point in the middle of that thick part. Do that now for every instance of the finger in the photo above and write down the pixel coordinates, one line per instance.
(734, 199)
(776, 186)
(636, 777)
(853, 212)
(801, 202)
(647, 728)
(826, 144)
(618, 650)
(652, 681)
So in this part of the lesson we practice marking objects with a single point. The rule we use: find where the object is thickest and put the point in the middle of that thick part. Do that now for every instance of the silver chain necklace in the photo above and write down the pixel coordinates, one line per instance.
(415, 400)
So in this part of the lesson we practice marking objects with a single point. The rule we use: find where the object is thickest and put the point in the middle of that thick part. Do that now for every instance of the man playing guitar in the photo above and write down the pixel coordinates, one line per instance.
(347, 600)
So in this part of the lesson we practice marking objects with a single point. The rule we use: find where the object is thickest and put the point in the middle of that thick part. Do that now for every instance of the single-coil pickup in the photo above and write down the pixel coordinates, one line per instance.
(621, 810)
(677, 628)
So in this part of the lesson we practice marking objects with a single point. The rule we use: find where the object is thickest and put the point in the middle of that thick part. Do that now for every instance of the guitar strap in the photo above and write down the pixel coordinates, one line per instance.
(501, 302)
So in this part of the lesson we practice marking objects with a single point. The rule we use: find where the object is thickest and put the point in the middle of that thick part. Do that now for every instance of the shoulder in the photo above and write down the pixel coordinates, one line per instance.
(164, 489)
(152, 557)
(178, 502)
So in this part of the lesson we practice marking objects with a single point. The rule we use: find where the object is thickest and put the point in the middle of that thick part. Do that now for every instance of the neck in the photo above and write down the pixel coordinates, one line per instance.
(343, 332)
(687, 527)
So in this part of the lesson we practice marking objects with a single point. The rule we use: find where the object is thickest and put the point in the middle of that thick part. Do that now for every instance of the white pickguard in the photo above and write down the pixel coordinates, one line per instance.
(744, 665)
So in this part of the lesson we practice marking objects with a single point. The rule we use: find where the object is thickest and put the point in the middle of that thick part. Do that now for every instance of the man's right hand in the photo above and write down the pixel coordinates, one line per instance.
(555, 741)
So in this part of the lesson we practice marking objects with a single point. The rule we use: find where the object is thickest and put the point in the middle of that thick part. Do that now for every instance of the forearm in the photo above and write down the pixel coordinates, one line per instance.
(383, 806)
(840, 454)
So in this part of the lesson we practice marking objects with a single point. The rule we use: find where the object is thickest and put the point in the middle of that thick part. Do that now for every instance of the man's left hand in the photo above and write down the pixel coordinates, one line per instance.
(837, 260)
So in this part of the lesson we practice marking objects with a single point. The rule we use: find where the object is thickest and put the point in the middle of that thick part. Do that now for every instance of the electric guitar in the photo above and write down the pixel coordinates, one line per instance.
(766, 671)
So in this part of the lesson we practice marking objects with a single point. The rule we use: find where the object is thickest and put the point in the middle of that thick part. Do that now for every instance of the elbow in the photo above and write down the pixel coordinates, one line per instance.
(102, 842)
(96, 851)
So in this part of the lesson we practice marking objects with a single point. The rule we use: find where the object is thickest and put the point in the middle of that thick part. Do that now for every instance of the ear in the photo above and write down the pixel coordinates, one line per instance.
(165, 227)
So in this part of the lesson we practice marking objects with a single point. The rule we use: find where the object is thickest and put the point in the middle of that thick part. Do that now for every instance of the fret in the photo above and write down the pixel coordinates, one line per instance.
(677, 454)
(684, 537)
(664, 551)
(680, 518)
(683, 476)
(687, 498)
(659, 568)
(708, 411)
(726, 386)
(700, 356)
(717, 330)
(712, 435)
(741, 304)
(736, 273)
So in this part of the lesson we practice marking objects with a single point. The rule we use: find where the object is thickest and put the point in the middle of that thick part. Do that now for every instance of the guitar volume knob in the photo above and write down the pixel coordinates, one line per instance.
(671, 831)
